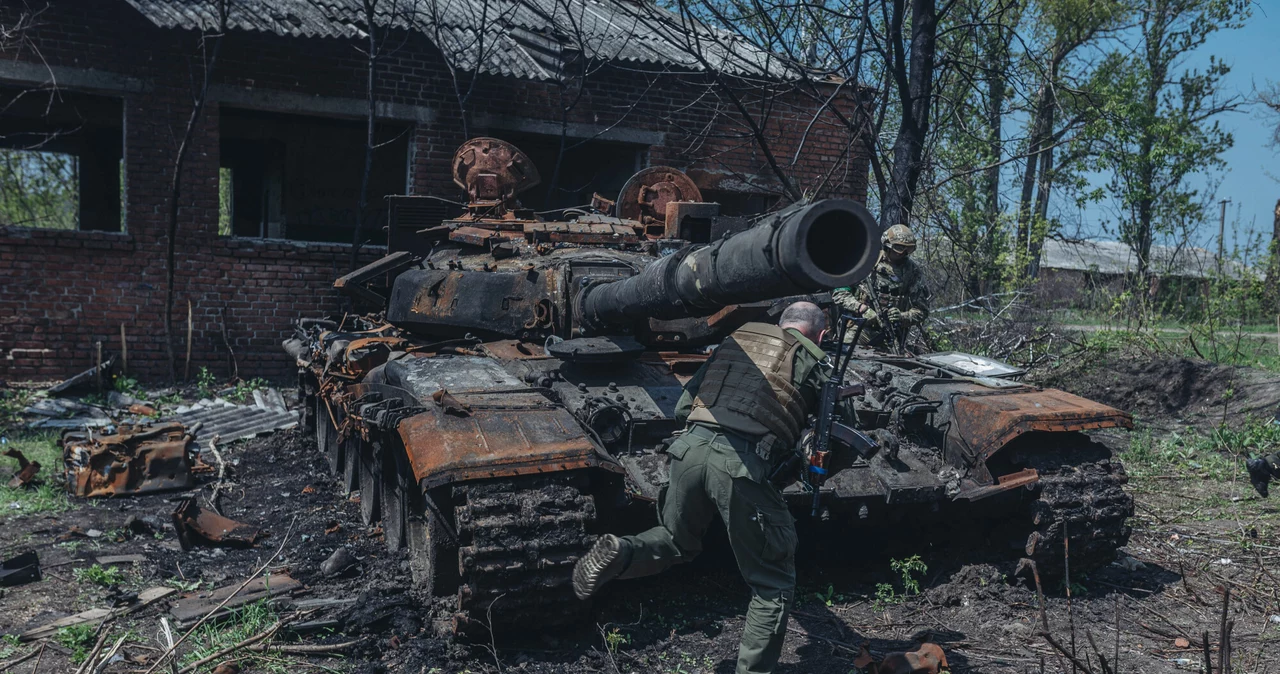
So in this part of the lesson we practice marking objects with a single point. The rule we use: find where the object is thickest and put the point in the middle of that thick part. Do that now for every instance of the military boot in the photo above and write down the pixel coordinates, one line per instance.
(604, 562)
(1259, 475)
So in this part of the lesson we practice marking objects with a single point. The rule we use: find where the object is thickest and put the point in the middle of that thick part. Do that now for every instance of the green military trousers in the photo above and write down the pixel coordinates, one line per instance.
(713, 471)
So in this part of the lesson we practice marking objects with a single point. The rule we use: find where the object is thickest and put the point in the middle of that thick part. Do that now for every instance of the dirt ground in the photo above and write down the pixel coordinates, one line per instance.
(1197, 532)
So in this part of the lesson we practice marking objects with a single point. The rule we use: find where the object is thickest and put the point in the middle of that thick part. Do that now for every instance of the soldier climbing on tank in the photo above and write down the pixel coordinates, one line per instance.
(1262, 471)
(894, 298)
(743, 411)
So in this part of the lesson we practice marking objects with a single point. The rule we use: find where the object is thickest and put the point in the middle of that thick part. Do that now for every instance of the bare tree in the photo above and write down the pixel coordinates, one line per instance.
(208, 62)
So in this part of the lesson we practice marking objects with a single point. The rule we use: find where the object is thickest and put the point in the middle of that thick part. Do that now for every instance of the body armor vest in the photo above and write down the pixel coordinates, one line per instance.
(748, 387)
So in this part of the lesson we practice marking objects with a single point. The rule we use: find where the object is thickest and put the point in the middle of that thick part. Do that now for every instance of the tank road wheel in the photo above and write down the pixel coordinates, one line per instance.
(352, 447)
(370, 478)
(429, 542)
(397, 484)
(1081, 495)
(326, 434)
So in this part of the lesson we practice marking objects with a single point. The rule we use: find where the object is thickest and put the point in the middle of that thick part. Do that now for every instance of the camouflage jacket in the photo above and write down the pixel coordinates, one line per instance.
(898, 285)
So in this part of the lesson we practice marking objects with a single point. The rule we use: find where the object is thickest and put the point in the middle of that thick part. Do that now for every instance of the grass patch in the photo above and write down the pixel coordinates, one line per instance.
(1215, 454)
(250, 620)
(109, 576)
(47, 497)
(78, 639)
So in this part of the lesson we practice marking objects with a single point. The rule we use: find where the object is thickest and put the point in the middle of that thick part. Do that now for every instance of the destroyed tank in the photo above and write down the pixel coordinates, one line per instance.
(507, 397)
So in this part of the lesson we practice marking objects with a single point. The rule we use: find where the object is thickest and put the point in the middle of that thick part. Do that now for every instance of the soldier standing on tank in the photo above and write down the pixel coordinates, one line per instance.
(1262, 471)
(894, 298)
(744, 412)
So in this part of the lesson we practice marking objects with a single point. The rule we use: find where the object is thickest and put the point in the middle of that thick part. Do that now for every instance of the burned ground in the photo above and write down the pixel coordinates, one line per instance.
(1199, 529)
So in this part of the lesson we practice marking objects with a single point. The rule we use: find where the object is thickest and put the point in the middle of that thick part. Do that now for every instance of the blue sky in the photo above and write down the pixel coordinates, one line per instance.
(1251, 178)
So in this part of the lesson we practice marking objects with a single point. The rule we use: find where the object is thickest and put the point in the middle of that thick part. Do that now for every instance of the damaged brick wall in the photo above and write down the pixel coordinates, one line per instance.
(61, 291)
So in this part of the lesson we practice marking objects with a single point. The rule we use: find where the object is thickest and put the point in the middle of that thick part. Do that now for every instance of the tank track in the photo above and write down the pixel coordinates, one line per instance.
(519, 539)
(1085, 500)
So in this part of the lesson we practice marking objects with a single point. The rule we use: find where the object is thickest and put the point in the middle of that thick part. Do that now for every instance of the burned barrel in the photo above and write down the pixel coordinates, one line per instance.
(803, 249)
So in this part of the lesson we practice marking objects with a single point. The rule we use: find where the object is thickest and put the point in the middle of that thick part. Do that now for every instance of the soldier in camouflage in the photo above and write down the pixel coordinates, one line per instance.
(744, 411)
(894, 298)
(1263, 470)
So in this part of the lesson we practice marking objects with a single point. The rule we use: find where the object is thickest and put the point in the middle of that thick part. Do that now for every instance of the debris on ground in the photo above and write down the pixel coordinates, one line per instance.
(85, 380)
(56, 413)
(108, 560)
(230, 422)
(341, 561)
(193, 607)
(26, 469)
(928, 659)
(25, 568)
(95, 616)
(134, 460)
(197, 526)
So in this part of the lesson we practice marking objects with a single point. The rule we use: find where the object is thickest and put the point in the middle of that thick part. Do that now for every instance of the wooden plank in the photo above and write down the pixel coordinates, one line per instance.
(121, 559)
(97, 615)
(193, 607)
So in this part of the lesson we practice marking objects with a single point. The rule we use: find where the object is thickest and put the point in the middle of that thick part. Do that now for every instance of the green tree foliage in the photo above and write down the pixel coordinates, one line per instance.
(39, 189)
(1158, 123)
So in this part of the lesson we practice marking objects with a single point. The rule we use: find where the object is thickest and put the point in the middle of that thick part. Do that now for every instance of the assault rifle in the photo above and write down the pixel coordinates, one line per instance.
(827, 427)
(897, 337)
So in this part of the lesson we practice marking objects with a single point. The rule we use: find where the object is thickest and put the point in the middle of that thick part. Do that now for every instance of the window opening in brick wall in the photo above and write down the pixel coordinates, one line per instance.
(61, 160)
(591, 166)
(298, 177)
(225, 201)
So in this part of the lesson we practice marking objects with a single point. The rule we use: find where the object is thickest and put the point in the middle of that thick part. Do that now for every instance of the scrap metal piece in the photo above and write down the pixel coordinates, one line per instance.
(84, 379)
(647, 193)
(197, 526)
(136, 460)
(492, 170)
(25, 568)
(26, 469)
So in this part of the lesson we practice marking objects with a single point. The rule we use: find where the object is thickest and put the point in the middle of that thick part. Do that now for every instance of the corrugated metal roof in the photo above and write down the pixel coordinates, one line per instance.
(1114, 257)
(231, 422)
(530, 39)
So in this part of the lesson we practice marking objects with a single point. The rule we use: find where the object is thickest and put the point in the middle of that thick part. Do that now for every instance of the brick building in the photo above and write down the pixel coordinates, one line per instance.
(270, 185)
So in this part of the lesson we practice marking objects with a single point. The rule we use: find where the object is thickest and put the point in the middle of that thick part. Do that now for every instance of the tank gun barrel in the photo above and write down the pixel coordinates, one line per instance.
(803, 249)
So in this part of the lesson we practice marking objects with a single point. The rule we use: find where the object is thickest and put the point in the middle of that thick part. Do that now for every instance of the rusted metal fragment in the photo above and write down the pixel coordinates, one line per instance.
(986, 422)
(197, 526)
(26, 469)
(450, 404)
(971, 491)
(20, 570)
(647, 193)
(492, 170)
(506, 434)
(513, 349)
(581, 232)
(135, 460)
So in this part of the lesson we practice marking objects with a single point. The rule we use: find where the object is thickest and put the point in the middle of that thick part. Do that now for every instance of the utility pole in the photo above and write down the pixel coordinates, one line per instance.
(1222, 232)
(1222, 226)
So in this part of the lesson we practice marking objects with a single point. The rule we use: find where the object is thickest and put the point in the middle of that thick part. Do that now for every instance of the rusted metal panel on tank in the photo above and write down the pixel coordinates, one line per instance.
(489, 304)
(987, 422)
(514, 349)
(136, 460)
(496, 442)
(581, 232)
(971, 491)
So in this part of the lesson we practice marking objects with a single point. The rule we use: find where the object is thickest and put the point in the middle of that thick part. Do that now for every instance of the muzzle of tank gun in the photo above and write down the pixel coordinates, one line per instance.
(816, 247)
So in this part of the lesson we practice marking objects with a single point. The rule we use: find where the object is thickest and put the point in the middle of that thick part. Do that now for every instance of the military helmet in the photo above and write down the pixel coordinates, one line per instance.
(900, 239)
